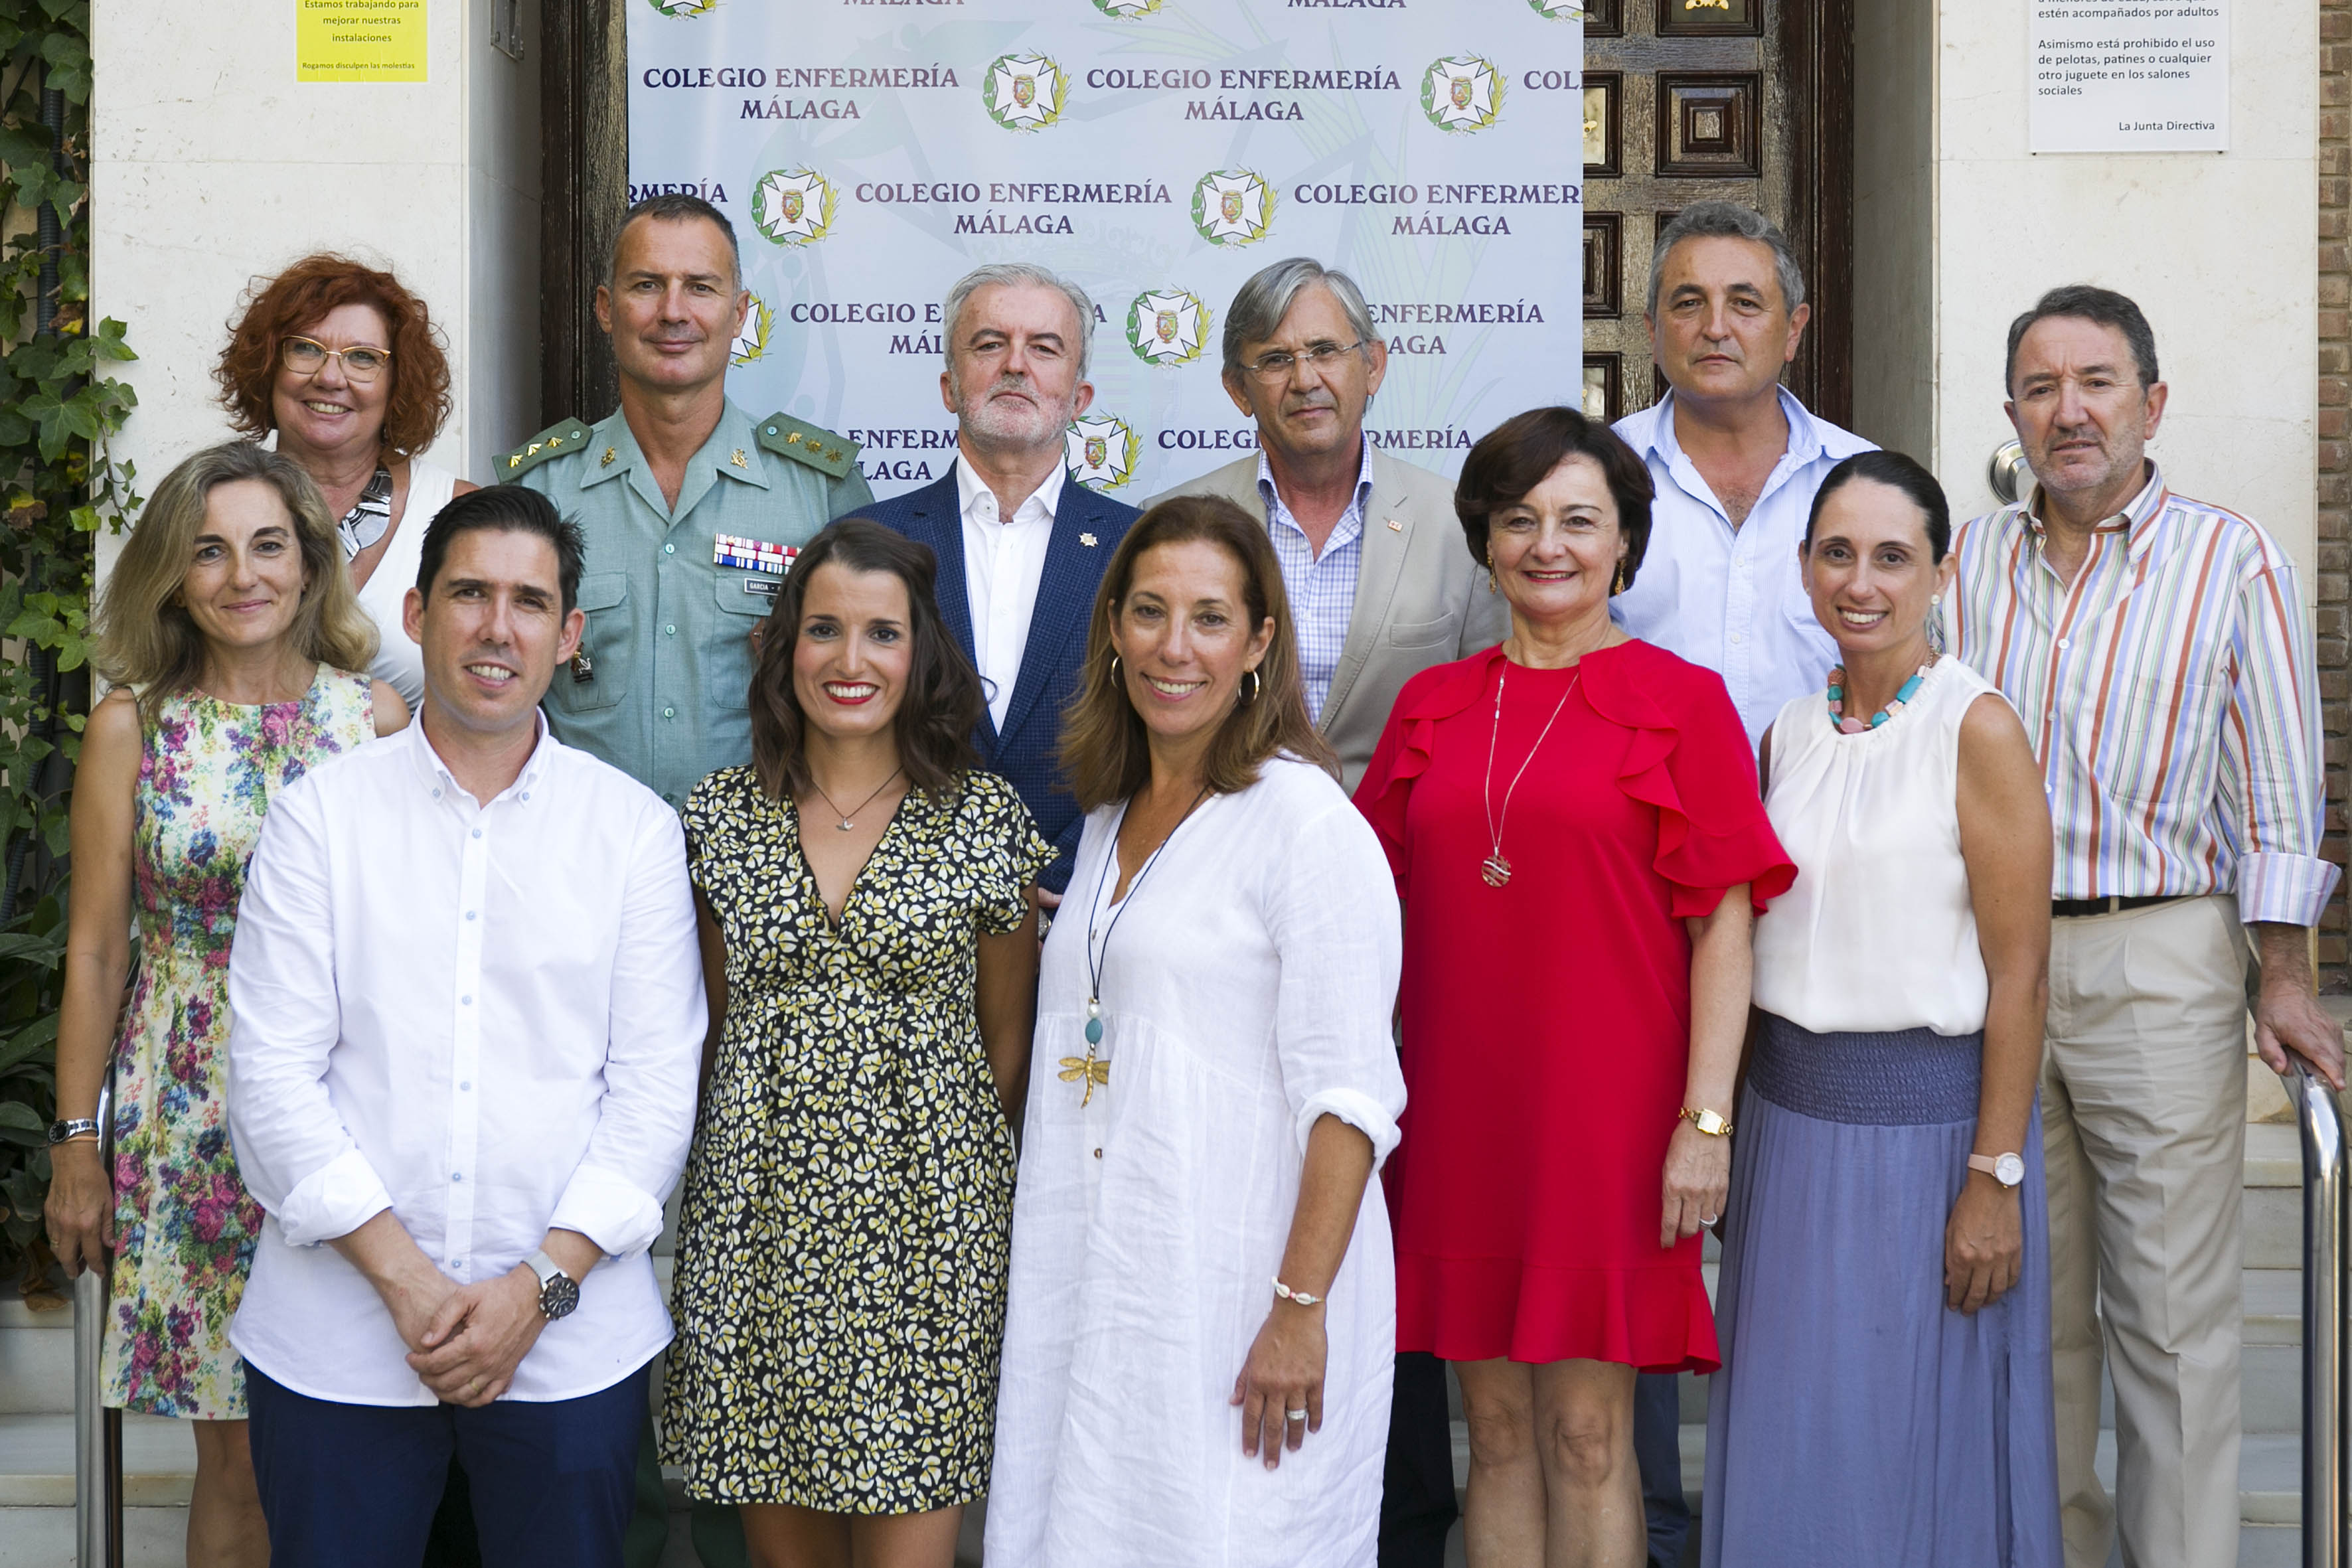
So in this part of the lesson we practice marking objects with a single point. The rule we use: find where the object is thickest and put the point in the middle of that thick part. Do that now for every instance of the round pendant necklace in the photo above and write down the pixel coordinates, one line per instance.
(1494, 868)
(1849, 726)
(1091, 1070)
(845, 815)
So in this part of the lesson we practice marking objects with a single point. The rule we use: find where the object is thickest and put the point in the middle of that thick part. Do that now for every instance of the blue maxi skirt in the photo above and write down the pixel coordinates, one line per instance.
(1857, 1419)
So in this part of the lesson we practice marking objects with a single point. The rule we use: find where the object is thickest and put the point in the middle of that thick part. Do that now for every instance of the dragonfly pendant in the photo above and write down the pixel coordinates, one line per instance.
(1087, 1069)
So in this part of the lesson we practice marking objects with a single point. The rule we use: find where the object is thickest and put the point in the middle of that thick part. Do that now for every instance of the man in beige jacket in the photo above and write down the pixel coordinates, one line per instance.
(1380, 584)
(1381, 588)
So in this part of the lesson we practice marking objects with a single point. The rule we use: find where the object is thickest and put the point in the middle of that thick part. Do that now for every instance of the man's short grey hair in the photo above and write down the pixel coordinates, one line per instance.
(1018, 274)
(1729, 220)
(1261, 302)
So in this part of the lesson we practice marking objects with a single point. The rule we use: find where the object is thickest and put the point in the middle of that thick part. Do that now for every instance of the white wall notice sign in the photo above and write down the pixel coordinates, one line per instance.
(2129, 75)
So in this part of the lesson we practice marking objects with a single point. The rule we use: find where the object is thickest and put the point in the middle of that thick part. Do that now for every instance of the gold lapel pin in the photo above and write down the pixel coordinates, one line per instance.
(609, 453)
(1087, 540)
(1395, 526)
(738, 459)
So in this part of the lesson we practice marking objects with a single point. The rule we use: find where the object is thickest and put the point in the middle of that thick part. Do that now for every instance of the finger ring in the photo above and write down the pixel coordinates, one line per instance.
(1709, 1218)
(1297, 1415)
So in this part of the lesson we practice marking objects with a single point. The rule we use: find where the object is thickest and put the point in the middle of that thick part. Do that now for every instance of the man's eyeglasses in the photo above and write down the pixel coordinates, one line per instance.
(305, 357)
(1274, 368)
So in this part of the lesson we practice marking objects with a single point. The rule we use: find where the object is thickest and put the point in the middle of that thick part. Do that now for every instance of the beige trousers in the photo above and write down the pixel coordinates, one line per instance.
(2144, 1125)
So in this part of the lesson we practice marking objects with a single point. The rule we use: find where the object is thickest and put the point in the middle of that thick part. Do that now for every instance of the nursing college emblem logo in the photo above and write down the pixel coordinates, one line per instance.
(1231, 207)
(1101, 451)
(682, 7)
(1167, 327)
(1025, 92)
(1464, 93)
(752, 340)
(1126, 10)
(794, 207)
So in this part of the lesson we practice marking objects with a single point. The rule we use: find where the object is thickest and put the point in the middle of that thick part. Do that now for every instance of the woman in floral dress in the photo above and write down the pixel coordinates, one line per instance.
(227, 629)
(871, 956)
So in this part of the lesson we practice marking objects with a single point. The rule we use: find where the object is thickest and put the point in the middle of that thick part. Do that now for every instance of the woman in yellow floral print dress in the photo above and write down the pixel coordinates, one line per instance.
(871, 953)
(228, 627)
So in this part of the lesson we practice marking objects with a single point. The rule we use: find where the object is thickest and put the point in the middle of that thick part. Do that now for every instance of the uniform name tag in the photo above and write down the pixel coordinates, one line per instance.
(752, 554)
(763, 587)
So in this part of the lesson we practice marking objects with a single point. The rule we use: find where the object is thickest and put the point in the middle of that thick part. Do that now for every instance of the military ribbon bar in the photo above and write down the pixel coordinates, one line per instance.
(752, 554)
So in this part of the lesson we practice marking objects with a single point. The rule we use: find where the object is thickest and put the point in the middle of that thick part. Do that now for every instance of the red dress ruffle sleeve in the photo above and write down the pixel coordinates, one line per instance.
(1547, 1022)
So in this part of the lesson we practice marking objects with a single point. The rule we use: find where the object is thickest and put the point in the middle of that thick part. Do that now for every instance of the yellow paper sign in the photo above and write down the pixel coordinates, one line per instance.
(358, 40)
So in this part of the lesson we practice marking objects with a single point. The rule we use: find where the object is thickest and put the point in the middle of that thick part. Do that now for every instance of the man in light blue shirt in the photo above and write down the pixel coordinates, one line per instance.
(1736, 459)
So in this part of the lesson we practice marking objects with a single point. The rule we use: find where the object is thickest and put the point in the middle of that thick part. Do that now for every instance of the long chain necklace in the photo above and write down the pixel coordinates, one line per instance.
(1091, 1070)
(1494, 868)
(862, 805)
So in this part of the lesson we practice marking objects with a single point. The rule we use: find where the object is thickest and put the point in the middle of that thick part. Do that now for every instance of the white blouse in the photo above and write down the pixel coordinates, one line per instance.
(400, 663)
(1247, 993)
(1878, 934)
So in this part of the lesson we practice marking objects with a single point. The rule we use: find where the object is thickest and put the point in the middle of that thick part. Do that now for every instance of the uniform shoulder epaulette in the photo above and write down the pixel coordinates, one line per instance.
(552, 442)
(832, 456)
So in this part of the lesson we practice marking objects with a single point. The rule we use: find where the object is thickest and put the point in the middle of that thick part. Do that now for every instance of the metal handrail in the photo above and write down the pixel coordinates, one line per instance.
(98, 1430)
(2326, 1335)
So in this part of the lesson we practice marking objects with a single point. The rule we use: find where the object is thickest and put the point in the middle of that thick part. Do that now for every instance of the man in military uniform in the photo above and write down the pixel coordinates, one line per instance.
(692, 509)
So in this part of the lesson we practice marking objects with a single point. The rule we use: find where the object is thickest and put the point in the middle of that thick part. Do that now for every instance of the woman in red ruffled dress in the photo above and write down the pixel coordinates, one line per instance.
(1573, 822)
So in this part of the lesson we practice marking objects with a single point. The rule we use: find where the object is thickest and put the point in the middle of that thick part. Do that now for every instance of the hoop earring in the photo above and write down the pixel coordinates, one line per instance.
(1257, 684)
(1114, 666)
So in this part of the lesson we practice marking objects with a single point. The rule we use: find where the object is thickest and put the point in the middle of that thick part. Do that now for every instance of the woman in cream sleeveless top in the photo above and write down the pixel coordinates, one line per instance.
(1884, 1302)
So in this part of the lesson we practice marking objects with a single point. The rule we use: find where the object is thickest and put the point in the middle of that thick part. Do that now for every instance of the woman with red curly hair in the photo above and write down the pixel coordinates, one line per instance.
(341, 362)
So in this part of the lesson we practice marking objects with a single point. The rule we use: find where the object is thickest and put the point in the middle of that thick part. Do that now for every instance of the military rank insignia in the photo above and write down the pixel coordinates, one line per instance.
(752, 554)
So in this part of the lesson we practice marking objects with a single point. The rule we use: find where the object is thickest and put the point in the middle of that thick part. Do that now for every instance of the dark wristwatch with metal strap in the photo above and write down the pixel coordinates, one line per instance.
(559, 1293)
(72, 1127)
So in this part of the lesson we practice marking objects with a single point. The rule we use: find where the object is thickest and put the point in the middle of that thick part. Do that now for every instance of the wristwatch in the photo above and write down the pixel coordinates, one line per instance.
(1710, 1122)
(73, 1127)
(2007, 1168)
(558, 1291)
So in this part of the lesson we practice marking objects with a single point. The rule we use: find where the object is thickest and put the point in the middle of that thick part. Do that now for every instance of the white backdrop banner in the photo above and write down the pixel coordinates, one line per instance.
(1155, 152)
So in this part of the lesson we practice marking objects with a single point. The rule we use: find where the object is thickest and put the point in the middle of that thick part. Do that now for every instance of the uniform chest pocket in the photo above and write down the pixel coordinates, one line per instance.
(744, 600)
(599, 678)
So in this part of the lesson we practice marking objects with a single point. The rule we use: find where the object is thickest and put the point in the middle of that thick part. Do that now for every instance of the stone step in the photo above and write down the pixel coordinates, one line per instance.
(2270, 1472)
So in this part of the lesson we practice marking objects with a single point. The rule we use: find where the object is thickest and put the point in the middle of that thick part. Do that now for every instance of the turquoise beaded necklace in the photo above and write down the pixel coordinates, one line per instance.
(1850, 726)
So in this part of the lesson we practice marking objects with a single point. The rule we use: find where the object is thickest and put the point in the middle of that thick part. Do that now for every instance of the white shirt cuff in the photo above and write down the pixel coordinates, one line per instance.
(1359, 1111)
(333, 1201)
(618, 1215)
(2291, 890)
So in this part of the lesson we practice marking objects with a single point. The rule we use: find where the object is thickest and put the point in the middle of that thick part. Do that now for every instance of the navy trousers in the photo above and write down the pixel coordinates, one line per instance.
(355, 1486)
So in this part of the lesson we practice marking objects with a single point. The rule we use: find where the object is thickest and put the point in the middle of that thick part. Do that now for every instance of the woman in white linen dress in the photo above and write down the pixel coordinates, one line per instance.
(1233, 924)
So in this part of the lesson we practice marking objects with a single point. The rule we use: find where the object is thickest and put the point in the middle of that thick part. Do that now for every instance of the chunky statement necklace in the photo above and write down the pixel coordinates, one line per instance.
(1091, 1070)
(862, 805)
(1854, 726)
(1494, 868)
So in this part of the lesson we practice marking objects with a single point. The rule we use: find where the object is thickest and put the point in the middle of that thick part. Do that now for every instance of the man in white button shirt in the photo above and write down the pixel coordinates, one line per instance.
(1736, 459)
(469, 1023)
(1021, 545)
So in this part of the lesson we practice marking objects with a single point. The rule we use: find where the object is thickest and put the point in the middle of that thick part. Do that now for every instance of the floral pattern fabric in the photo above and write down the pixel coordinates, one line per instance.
(184, 1226)
(843, 1244)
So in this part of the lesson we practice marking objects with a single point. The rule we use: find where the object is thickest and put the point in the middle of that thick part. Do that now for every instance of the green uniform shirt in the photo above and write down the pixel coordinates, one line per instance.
(664, 693)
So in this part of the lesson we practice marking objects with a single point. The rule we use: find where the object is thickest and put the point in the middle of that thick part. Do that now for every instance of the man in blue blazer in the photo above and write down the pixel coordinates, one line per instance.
(1022, 546)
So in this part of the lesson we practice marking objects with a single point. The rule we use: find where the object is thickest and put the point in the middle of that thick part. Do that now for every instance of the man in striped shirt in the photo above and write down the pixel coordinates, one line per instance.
(2157, 650)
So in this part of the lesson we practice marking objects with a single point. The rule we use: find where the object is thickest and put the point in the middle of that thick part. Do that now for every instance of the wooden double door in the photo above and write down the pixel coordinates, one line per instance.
(1742, 100)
